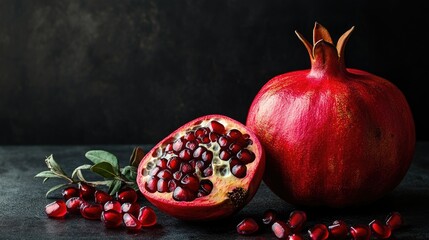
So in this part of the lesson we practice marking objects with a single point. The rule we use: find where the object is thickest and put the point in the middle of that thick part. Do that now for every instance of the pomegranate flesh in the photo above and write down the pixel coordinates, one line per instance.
(333, 136)
(207, 169)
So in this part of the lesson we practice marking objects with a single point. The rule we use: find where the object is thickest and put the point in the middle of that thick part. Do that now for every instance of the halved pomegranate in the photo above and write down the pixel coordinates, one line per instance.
(207, 169)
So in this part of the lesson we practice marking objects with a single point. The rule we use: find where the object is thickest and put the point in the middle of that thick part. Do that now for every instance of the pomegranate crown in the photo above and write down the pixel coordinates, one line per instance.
(323, 53)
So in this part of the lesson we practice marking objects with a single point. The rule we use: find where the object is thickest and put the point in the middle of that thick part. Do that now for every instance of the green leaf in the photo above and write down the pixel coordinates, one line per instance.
(78, 173)
(129, 172)
(55, 188)
(98, 156)
(136, 156)
(115, 186)
(104, 169)
(46, 179)
(53, 165)
(47, 174)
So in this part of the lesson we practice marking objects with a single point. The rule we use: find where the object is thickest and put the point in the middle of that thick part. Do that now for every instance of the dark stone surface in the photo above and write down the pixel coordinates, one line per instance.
(22, 202)
(103, 71)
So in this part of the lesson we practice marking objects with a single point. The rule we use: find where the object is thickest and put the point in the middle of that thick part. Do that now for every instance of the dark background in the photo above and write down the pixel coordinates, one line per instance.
(84, 72)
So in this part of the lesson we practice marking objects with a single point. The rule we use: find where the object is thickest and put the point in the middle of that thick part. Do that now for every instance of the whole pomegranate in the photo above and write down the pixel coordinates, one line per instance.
(207, 169)
(333, 136)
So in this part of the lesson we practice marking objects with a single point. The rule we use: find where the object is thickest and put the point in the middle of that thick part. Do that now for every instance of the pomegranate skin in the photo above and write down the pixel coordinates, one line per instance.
(227, 196)
(333, 136)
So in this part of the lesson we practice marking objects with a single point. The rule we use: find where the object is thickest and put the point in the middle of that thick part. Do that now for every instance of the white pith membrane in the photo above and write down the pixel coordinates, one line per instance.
(225, 185)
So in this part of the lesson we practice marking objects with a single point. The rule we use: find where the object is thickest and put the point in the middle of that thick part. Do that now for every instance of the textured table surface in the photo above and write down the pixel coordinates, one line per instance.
(22, 202)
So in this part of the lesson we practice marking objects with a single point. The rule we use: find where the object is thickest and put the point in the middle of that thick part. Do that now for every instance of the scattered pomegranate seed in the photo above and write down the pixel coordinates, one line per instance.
(216, 127)
(86, 191)
(73, 204)
(360, 232)
(338, 230)
(281, 229)
(70, 192)
(379, 229)
(297, 220)
(319, 232)
(127, 194)
(113, 205)
(131, 222)
(102, 197)
(111, 219)
(91, 211)
(247, 226)
(147, 216)
(270, 216)
(296, 236)
(131, 208)
(56, 209)
(394, 220)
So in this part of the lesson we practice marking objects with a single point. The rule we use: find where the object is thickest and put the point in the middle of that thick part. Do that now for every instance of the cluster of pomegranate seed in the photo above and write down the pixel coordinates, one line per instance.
(185, 163)
(95, 204)
(293, 227)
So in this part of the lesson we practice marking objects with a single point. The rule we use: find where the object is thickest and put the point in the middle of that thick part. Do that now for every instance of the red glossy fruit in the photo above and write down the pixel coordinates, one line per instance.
(131, 208)
(70, 192)
(380, 230)
(247, 227)
(56, 209)
(213, 167)
(127, 194)
(281, 229)
(296, 236)
(322, 126)
(297, 220)
(131, 222)
(394, 220)
(113, 205)
(86, 191)
(360, 232)
(102, 197)
(318, 232)
(147, 216)
(270, 216)
(111, 219)
(91, 211)
(338, 230)
(73, 204)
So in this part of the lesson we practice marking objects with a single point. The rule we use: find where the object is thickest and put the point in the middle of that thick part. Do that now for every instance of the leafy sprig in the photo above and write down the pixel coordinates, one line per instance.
(104, 164)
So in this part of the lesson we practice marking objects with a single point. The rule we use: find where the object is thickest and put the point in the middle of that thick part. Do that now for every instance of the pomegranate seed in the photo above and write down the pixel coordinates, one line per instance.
(234, 148)
(216, 127)
(247, 226)
(319, 232)
(179, 144)
(173, 164)
(185, 154)
(394, 220)
(199, 152)
(338, 229)
(186, 168)
(296, 236)
(239, 171)
(162, 185)
(205, 139)
(169, 147)
(224, 155)
(178, 175)
(165, 174)
(172, 184)
(161, 163)
(379, 229)
(131, 208)
(86, 191)
(269, 217)
(57, 209)
(70, 192)
(234, 134)
(131, 222)
(127, 194)
(191, 145)
(207, 156)
(183, 194)
(147, 216)
(111, 219)
(200, 132)
(206, 186)
(73, 204)
(190, 182)
(297, 220)
(152, 184)
(154, 171)
(360, 232)
(222, 141)
(246, 156)
(280, 229)
(189, 136)
(113, 205)
(208, 171)
(102, 197)
(91, 211)
(214, 136)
